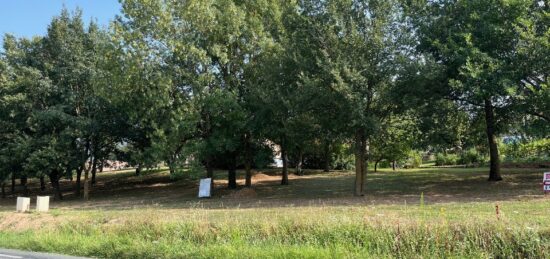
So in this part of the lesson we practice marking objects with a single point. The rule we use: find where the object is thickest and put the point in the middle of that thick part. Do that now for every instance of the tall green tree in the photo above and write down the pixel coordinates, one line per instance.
(479, 47)
(358, 42)
(206, 52)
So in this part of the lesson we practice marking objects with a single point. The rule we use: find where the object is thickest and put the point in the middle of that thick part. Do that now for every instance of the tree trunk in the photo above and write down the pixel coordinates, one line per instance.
(247, 162)
(284, 180)
(77, 185)
(3, 189)
(12, 183)
(172, 164)
(94, 171)
(138, 170)
(209, 168)
(23, 182)
(101, 165)
(232, 172)
(376, 165)
(248, 172)
(86, 195)
(171, 167)
(327, 156)
(54, 179)
(494, 173)
(209, 171)
(360, 146)
(42, 184)
(299, 163)
(393, 165)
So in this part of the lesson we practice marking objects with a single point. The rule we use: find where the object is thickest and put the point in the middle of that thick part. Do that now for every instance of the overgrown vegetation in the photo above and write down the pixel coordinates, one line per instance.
(464, 230)
(529, 151)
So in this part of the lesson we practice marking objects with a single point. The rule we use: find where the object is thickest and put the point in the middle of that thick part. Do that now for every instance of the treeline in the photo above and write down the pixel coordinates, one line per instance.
(217, 83)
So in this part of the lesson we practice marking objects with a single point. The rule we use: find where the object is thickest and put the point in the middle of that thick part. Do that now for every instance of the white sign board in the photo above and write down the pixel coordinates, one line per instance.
(204, 188)
(546, 182)
(42, 203)
(23, 204)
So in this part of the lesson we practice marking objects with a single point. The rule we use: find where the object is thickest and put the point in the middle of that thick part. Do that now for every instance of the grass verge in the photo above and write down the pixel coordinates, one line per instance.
(385, 231)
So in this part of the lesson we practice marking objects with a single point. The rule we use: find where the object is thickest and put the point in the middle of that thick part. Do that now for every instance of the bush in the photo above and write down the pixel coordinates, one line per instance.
(343, 158)
(471, 156)
(439, 159)
(532, 151)
(449, 159)
(414, 160)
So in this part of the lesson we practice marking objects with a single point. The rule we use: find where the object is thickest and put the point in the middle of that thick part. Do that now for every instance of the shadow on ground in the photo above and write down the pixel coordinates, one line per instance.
(124, 190)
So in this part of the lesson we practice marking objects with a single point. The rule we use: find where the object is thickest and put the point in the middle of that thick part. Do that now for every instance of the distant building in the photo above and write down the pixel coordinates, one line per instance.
(112, 165)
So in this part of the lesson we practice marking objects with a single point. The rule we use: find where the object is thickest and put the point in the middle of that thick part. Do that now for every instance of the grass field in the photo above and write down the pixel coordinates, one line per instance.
(409, 214)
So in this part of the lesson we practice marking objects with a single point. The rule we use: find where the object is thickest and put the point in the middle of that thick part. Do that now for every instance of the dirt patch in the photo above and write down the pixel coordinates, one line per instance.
(242, 193)
(264, 177)
(25, 221)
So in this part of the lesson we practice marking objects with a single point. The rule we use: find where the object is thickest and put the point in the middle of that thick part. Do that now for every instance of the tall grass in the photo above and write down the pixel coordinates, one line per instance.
(393, 231)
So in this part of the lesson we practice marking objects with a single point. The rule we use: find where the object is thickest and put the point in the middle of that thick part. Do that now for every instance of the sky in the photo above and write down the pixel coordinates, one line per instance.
(26, 18)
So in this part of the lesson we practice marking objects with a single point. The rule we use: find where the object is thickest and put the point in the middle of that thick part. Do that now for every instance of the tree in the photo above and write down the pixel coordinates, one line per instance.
(56, 117)
(206, 52)
(394, 140)
(358, 45)
(477, 43)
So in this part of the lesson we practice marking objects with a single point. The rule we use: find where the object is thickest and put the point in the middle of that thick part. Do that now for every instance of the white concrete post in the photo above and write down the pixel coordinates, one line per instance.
(23, 204)
(42, 203)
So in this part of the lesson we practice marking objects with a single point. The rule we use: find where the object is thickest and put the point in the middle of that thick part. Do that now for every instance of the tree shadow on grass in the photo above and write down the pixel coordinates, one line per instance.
(120, 191)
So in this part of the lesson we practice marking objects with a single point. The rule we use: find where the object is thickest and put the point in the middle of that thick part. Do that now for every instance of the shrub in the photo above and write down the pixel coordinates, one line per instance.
(343, 158)
(414, 159)
(449, 159)
(343, 162)
(471, 156)
(439, 159)
(532, 151)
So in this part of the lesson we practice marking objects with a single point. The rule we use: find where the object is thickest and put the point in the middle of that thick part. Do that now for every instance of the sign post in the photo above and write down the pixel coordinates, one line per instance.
(546, 183)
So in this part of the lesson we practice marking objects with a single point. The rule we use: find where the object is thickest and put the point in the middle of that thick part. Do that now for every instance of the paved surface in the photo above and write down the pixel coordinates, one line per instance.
(17, 254)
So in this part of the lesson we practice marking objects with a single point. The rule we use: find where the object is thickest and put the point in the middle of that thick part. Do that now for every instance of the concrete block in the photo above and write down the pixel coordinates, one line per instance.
(23, 204)
(42, 203)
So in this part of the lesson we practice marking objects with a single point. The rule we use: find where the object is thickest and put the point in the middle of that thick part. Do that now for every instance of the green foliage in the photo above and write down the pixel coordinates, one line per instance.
(414, 159)
(471, 157)
(52, 112)
(535, 151)
(446, 159)
(263, 156)
(474, 53)
(343, 158)
(219, 81)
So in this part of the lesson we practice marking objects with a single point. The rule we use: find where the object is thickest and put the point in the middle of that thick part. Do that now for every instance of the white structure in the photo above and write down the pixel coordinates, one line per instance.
(205, 188)
(42, 203)
(23, 204)
(546, 182)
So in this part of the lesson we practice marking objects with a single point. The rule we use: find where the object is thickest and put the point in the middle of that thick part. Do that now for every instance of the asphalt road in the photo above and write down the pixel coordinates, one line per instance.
(17, 254)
